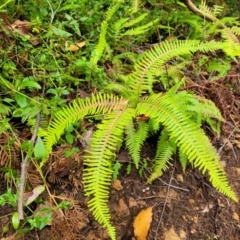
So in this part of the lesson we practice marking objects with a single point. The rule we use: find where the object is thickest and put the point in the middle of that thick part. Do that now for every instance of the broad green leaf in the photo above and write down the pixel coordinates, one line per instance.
(60, 32)
(69, 138)
(15, 221)
(29, 84)
(39, 148)
(21, 100)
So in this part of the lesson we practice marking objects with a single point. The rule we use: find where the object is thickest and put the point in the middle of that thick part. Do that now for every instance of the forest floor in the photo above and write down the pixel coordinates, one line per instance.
(186, 206)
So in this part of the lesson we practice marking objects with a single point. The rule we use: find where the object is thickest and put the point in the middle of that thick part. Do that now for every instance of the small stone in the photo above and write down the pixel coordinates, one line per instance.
(122, 208)
(223, 163)
(235, 216)
(183, 235)
(238, 171)
(180, 178)
(195, 219)
(228, 147)
(191, 201)
(132, 202)
(193, 231)
(173, 194)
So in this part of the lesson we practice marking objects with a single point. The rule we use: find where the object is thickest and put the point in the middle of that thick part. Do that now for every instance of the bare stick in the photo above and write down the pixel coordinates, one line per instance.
(164, 205)
(23, 172)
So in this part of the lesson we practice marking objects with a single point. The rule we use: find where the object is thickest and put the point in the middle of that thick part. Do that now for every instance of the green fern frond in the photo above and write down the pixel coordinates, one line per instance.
(134, 21)
(140, 81)
(208, 12)
(126, 23)
(98, 51)
(135, 6)
(199, 109)
(183, 160)
(211, 15)
(139, 30)
(117, 27)
(235, 30)
(190, 139)
(98, 162)
(217, 10)
(4, 110)
(153, 126)
(135, 140)
(165, 149)
(79, 108)
(204, 110)
(119, 88)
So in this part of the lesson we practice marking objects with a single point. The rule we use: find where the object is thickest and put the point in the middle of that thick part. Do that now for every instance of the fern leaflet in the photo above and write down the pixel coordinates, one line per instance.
(98, 162)
(135, 140)
(79, 108)
(165, 149)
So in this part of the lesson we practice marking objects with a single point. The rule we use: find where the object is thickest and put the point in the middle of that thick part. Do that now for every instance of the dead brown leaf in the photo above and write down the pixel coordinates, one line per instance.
(22, 27)
(142, 223)
(75, 47)
(207, 208)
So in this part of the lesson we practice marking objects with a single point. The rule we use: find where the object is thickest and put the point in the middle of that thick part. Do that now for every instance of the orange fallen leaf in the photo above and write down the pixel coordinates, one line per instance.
(142, 223)
(75, 47)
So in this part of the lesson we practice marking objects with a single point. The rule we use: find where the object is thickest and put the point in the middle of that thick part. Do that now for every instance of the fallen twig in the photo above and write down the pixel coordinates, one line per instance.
(23, 172)
(164, 205)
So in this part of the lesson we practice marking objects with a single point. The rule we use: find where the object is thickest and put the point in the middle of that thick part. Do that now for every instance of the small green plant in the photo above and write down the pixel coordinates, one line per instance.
(38, 220)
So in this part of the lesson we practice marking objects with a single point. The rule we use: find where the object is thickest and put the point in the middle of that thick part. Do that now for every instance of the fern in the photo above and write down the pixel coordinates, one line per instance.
(199, 110)
(98, 51)
(178, 114)
(98, 160)
(135, 140)
(166, 148)
(98, 104)
(212, 15)
(135, 6)
(183, 160)
(4, 110)
(126, 27)
(188, 136)
(173, 110)
(137, 30)
(140, 81)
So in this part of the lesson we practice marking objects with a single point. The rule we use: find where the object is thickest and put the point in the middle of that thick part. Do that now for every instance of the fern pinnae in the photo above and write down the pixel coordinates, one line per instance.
(140, 79)
(79, 108)
(188, 136)
(165, 149)
(183, 160)
(205, 11)
(98, 51)
(98, 161)
(135, 140)
(135, 6)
